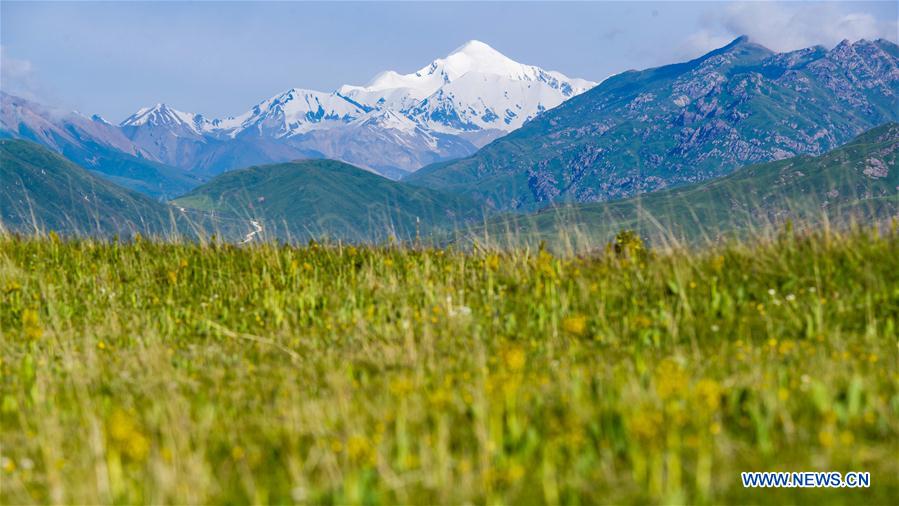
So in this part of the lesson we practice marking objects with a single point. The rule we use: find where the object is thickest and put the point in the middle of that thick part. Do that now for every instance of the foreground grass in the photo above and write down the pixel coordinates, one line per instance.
(166, 373)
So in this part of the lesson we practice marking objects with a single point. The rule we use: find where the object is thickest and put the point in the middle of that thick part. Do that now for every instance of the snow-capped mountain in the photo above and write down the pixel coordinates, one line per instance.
(476, 87)
(475, 94)
(293, 112)
(207, 147)
(163, 117)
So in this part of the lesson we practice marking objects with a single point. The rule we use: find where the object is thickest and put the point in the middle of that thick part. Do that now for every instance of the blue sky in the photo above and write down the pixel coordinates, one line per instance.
(221, 58)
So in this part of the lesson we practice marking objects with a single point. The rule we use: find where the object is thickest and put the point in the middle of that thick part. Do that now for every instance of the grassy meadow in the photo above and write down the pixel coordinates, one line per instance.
(159, 372)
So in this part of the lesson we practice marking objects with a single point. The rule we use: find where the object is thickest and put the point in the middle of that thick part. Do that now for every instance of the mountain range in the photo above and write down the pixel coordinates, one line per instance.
(643, 131)
(393, 125)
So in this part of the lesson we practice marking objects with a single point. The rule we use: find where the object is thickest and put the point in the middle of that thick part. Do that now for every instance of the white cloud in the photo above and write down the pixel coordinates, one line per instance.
(13, 67)
(702, 42)
(17, 75)
(788, 26)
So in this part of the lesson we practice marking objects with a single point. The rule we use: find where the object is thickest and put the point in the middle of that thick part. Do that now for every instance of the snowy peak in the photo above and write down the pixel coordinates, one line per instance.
(477, 50)
(310, 104)
(473, 56)
(295, 111)
(386, 119)
(476, 56)
(163, 116)
(475, 87)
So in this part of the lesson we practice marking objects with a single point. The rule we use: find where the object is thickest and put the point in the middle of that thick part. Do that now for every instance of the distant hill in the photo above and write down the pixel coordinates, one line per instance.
(858, 181)
(39, 189)
(643, 131)
(327, 198)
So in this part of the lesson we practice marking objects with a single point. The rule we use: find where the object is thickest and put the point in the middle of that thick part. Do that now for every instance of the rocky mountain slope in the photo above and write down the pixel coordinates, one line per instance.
(857, 182)
(643, 131)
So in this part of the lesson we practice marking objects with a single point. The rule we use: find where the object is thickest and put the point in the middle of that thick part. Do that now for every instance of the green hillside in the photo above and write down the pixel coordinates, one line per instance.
(858, 181)
(39, 189)
(643, 131)
(326, 198)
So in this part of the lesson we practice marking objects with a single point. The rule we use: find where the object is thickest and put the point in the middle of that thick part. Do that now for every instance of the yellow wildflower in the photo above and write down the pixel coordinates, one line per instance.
(718, 263)
(825, 437)
(787, 346)
(575, 324)
(401, 386)
(545, 263)
(642, 321)
(492, 262)
(124, 431)
(31, 324)
(846, 438)
(514, 358)
(709, 393)
(359, 449)
(671, 379)
(645, 423)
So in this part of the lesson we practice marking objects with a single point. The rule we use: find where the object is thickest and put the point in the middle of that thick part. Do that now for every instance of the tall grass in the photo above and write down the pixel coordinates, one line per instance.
(159, 372)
